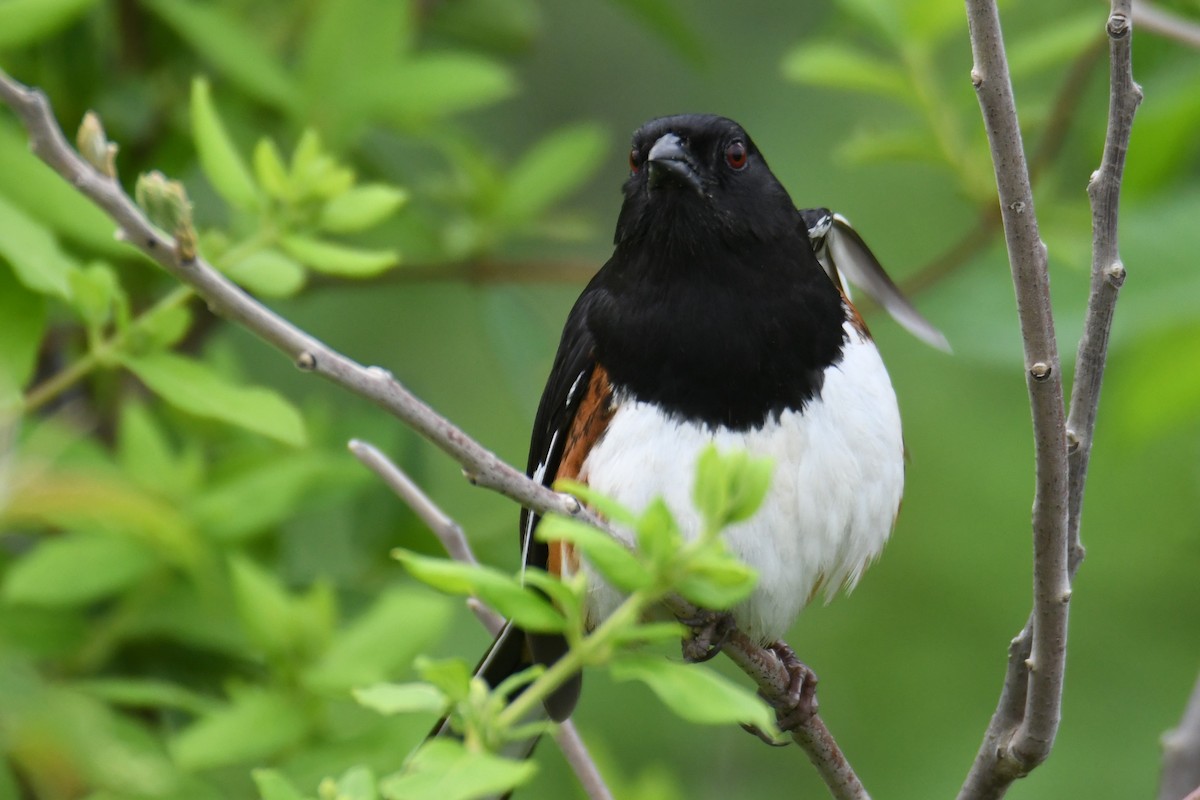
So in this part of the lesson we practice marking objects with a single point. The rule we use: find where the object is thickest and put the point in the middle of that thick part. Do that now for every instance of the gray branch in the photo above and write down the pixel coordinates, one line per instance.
(1181, 754)
(1167, 24)
(1023, 727)
(480, 465)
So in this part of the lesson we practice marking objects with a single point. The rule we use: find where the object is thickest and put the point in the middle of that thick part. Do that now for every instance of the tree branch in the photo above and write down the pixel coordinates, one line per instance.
(480, 465)
(1181, 754)
(1166, 24)
(1022, 729)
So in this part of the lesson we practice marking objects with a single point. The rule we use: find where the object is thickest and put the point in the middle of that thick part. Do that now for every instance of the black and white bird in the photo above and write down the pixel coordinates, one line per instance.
(721, 317)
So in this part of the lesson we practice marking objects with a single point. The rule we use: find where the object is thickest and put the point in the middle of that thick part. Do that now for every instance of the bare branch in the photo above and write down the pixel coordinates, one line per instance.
(480, 465)
(1009, 752)
(1166, 24)
(450, 534)
(1022, 729)
(1108, 273)
(1181, 754)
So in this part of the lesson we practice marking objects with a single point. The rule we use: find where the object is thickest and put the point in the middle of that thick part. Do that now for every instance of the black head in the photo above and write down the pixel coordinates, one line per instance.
(698, 180)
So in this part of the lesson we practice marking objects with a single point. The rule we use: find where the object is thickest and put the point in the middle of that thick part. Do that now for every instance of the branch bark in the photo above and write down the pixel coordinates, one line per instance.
(481, 466)
(1022, 730)
(1181, 754)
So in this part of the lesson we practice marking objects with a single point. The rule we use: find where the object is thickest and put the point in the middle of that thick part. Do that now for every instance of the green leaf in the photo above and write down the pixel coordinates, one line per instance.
(356, 783)
(438, 84)
(34, 255)
(610, 509)
(553, 168)
(354, 657)
(269, 169)
(335, 259)
(268, 273)
(94, 289)
(695, 693)
(76, 569)
(882, 16)
(193, 387)
(265, 607)
(23, 22)
(22, 321)
(218, 156)
(42, 194)
(445, 770)
(159, 328)
(361, 208)
(749, 480)
(897, 143)
(658, 535)
(146, 455)
(145, 693)
(612, 559)
(252, 500)
(562, 594)
(272, 785)
(402, 698)
(452, 675)
(717, 580)
(255, 726)
(224, 41)
(837, 65)
(508, 597)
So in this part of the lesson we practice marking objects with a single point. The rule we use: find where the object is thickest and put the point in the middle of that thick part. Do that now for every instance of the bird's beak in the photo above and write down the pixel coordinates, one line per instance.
(670, 162)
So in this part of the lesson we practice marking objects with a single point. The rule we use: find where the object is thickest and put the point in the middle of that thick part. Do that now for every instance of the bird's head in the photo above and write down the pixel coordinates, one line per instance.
(696, 180)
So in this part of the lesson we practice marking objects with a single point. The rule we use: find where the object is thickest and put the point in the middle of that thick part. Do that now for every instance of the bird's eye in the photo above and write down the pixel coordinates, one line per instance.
(635, 160)
(735, 154)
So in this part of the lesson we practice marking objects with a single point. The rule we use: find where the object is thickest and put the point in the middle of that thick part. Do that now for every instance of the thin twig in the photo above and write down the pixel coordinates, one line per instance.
(1181, 753)
(450, 534)
(1023, 728)
(480, 465)
(1166, 24)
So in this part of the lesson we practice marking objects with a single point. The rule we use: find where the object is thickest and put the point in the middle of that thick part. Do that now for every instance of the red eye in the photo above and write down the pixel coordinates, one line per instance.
(634, 160)
(735, 154)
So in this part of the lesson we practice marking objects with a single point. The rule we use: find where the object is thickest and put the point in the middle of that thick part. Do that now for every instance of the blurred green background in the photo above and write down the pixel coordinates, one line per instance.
(187, 593)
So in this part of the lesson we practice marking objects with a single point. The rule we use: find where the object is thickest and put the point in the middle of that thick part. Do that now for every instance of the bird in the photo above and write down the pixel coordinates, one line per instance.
(722, 318)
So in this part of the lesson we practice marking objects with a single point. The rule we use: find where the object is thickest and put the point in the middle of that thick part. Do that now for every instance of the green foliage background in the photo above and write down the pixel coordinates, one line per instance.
(192, 579)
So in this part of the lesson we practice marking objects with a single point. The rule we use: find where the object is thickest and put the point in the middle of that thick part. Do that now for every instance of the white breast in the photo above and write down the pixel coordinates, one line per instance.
(835, 490)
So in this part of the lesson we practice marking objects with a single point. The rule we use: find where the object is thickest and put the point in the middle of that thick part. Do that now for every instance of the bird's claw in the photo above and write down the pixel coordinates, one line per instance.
(799, 703)
(709, 631)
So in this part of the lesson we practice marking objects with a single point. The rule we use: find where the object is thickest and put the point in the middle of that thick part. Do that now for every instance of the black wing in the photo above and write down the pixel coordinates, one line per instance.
(842, 252)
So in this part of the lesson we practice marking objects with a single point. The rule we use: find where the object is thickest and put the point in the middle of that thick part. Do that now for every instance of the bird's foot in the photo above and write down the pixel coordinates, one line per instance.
(709, 631)
(799, 703)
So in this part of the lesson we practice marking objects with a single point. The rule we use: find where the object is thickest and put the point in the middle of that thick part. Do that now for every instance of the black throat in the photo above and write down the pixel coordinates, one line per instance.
(714, 332)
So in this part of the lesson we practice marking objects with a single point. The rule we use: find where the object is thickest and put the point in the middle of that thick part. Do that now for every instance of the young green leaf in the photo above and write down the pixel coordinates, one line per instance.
(34, 255)
(159, 328)
(264, 605)
(749, 480)
(356, 783)
(336, 259)
(612, 559)
(361, 208)
(837, 65)
(257, 725)
(75, 569)
(444, 769)
(525, 607)
(549, 171)
(218, 156)
(717, 580)
(452, 676)
(694, 692)
(94, 289)
(436, 84)
(269, 169)
(354, 657)
(268, 273)
(658, 535)
(22, 319)
(402, 698)
(272, 785)
(193, 387)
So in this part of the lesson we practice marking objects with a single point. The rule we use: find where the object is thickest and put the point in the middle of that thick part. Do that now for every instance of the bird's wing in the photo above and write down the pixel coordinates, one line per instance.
(841, 250)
